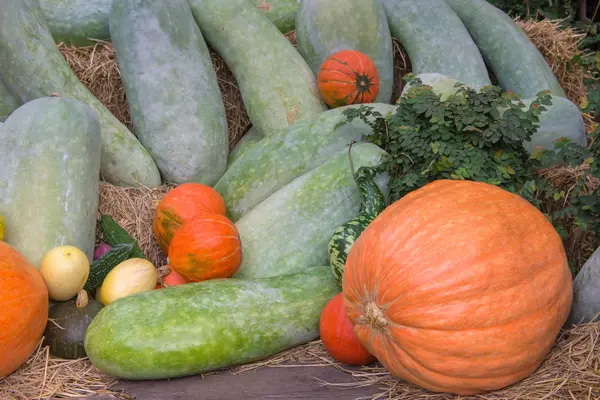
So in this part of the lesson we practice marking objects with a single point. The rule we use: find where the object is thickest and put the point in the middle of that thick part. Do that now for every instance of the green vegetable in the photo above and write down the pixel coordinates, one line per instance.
(250, 137)
(32, 67)
(373, 203)
(282, 13)
(277, 86)
(75, 22)
(114, 234)
(8, 101)
(102, 266)
(325, 27)
(49, 180)
(199, 327)
(510, 54)
(586, 286)
(436, 40)
(179, 114)
(293, 226)
(274, 161)
(68, 321)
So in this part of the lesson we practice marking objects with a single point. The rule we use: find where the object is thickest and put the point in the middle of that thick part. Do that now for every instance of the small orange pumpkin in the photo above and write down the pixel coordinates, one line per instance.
(458, 287)
(23, 309)
(348, 77)
(206, 247)
(338, 337)
(181, 204)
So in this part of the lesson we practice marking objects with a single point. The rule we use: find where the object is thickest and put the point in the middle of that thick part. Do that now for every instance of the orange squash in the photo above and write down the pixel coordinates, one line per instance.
(458, 287)
(206, 247)
(348, 77)
(338, 337)
(181, 204)
(23, 309)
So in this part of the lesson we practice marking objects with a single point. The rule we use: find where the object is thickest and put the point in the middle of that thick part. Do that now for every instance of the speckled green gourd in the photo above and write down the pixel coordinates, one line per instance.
(325, 27)
(436, 40)
(282, 13)
(277, 86)
(32, 67)
(8, 101)
(77, 21)
(200, 327)
(49, 180)
(293, 226)
(373, 203)
(274, 161)
(510, 54)
(172, 90)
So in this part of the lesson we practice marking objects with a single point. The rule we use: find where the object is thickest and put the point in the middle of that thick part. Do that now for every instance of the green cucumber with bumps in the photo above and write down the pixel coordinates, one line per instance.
(114, 235)
(102, 266)
(436, 40)
(271, 163)
(320, 34)
(219, 323)
(8, 101)
(172, 90)
(50, 176)
(293, 226)
(33, 67)
(277, 86)
(510, 54)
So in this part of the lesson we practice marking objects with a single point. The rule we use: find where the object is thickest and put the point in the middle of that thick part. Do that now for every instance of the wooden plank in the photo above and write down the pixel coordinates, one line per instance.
(264, 383)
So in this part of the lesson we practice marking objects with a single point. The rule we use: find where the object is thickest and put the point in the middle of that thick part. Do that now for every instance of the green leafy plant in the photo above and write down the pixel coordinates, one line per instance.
(479, 135)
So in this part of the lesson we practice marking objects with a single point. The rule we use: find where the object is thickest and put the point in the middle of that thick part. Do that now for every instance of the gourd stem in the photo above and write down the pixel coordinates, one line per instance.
(82, 299)
(374, 317)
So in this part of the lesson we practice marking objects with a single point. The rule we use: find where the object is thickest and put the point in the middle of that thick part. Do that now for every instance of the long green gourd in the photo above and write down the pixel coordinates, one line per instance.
(267, 166)
(436, 40)
(282, 13)
(172, 90)
(277, 86)
(510, 54)
(8, 101)
(32, 67)
(293, 226)
(49, 180)
(200, 327)
(325, 27)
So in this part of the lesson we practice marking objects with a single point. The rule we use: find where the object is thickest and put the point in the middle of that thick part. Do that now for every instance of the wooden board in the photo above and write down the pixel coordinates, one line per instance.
(264, 383)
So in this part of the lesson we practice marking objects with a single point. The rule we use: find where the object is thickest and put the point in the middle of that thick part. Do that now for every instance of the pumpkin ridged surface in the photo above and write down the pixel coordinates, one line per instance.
(454, 275)
(22, 326)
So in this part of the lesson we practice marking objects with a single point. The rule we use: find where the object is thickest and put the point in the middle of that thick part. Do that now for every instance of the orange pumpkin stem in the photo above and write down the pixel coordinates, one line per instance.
(374, 317)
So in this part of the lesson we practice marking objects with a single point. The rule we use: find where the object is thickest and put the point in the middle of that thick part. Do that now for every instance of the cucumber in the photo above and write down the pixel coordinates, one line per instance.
(32, 67)
(515, 61)
(8, 101)
(246, 142)
(325, 27)
(200, 327)
(102, 266)
(373, 203)
(277, 86)
(175, 101)
(292, 227)
(436, 40)
(282, 13)
(115, 235)
(49, 180)
(75, 22)
(276, 160)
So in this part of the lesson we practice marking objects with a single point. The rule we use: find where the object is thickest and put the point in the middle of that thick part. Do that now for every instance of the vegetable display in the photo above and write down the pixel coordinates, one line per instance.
(22, 327)
(32, 67)
(220, 322)
(469, 262)
(364, 29)
(256, 51)
(49, 180)
(172, 91)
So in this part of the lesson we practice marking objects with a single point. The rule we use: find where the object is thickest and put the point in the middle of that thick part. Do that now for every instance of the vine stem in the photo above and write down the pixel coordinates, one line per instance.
(350, 156)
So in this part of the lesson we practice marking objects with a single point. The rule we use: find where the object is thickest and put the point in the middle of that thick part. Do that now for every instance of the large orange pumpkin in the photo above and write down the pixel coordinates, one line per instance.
(23, 309)
(338, 337)
(348, 77)
(181, 204)
(206, 247)
(458, 287)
